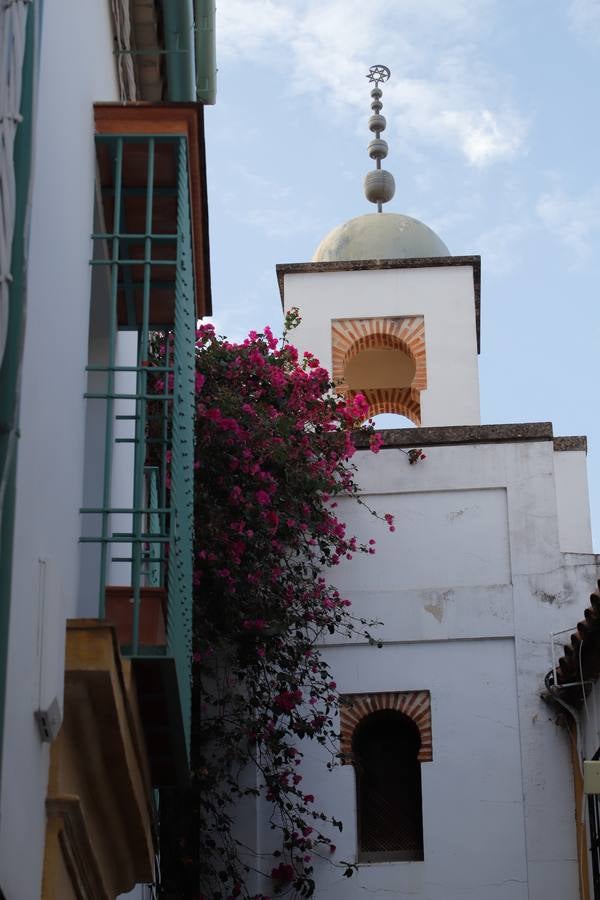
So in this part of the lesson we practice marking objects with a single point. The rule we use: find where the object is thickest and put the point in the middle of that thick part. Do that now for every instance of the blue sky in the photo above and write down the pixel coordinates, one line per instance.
(493, 126)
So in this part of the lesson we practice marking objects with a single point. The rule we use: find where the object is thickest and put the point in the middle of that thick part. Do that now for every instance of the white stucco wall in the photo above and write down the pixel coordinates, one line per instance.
(573, 500)
(77, 68)
(472, 794)
(443, 295)
(469, 587)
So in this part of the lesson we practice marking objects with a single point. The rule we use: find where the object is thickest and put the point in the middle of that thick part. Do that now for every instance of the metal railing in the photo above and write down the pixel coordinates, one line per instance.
(145, 517)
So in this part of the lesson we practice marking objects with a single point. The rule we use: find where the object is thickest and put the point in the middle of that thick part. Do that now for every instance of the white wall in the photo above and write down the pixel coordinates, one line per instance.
(473, 824)
(123, 457)
(573, 500)
(443, 295)
(469, 587)
(77, 68)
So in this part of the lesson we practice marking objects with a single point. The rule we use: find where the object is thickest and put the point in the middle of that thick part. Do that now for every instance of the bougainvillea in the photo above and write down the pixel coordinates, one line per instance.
(273, 450)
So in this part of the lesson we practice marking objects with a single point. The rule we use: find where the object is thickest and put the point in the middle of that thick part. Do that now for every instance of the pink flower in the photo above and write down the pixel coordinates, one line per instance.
(272, 518)
(284, 873)
(254, 624)
(288, 700)
(376, 442)
(263, 498)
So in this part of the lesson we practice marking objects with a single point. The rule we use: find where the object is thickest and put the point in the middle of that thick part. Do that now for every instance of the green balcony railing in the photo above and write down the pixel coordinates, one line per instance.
(146, 401)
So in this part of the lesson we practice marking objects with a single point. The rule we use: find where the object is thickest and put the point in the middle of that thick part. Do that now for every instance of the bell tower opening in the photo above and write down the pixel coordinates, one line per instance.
(384, 359)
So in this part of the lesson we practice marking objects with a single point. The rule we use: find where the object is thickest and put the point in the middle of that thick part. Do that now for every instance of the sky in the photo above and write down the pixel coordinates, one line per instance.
(493, 127)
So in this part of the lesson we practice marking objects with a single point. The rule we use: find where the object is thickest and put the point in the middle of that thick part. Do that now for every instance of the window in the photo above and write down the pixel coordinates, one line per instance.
(385, 749)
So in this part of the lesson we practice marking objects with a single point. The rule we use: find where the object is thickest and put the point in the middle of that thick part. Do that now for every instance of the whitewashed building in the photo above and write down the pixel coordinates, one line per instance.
(457, 778)
(101, 118)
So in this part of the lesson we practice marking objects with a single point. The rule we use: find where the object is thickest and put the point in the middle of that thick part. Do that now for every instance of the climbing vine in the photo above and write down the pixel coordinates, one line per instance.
(274, 444)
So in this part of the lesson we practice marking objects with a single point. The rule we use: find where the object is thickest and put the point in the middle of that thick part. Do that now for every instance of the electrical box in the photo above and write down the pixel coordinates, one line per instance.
(49, 721)
(591, 776)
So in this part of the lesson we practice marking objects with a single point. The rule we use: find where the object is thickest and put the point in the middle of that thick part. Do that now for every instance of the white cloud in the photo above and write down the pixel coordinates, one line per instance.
(441, 91)
(584, 18)
(483, 135)
(574, 221)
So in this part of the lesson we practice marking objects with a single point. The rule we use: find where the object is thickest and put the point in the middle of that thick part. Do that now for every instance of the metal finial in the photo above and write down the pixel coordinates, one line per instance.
(378, 74)
(379, 185)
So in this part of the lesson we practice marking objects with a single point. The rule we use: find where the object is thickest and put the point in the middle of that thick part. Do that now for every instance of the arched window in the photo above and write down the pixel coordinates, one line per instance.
(385, 748)
(384, 359)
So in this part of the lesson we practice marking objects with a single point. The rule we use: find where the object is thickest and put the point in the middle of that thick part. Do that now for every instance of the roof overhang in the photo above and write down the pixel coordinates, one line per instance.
(175, 120)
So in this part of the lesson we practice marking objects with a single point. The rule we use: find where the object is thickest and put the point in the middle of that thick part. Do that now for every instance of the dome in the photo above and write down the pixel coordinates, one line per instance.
(380, 236)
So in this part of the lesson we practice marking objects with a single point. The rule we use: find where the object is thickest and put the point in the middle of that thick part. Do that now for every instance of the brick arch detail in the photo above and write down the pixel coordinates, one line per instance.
(414, 704)
(352, 336)
(405, 401)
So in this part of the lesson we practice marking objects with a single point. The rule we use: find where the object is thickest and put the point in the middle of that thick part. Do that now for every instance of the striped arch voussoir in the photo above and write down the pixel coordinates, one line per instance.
(414, 704)
(394, 400)
(350, 337)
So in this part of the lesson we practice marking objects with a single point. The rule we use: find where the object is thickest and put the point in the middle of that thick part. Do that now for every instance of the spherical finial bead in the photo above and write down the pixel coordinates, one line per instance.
(379, 186)
(376, 93)
(376, 106)
(377, 149)
(377, 123)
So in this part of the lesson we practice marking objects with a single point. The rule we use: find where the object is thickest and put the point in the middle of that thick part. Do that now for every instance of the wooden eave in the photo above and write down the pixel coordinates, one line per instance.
(175, 119)
(99, 803)
(579, 666)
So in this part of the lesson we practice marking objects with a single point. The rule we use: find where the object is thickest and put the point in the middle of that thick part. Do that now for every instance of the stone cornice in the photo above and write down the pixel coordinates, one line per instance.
(461, 434)
(359, 265)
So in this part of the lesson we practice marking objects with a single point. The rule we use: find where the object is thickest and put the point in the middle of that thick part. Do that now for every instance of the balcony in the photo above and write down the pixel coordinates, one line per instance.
(150, 283)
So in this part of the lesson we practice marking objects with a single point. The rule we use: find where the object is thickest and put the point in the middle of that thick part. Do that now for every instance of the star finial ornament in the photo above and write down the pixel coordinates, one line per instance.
(378, 74)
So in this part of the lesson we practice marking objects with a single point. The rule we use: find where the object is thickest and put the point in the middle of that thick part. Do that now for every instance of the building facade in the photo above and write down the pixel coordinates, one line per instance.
(108, 247)
(456, 777)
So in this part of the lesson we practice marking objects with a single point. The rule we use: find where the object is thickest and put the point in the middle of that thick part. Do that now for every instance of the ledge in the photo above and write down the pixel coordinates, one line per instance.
(571, 442)
(459, 434)
(68, 827)
(359, 265)
(100, 812)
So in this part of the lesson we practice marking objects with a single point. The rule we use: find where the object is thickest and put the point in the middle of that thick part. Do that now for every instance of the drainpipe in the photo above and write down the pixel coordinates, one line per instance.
(10, 368)
(206, 60)
(189, 31)
(178, 22)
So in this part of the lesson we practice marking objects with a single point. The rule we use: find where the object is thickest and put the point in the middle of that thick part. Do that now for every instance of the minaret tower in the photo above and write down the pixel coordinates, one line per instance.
(490, 552)
(387, 309)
